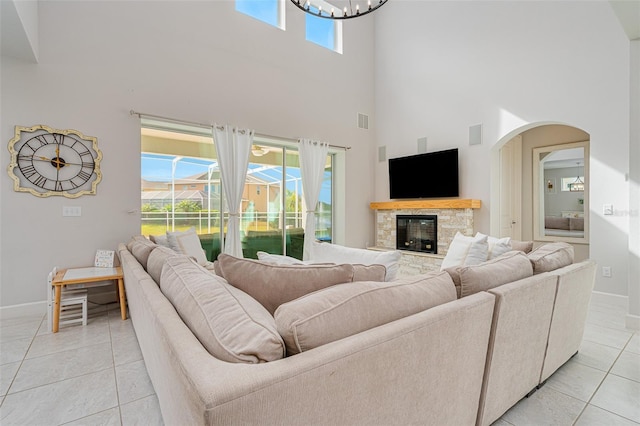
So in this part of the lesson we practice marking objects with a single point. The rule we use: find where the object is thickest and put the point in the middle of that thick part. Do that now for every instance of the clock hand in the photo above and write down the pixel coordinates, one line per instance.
(59, 163)
(58, 157)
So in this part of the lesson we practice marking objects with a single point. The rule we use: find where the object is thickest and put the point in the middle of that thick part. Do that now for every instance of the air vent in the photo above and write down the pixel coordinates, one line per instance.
(363, 121)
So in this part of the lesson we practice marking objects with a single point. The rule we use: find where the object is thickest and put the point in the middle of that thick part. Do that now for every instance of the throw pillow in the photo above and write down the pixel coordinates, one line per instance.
(464, 251)
(231, 325)
(327, 252)
(273, 285)
(344, 310)
(496, 246)
(278, 259)
(511, 266)
(187, 242)
(160, 240)
(551, 256)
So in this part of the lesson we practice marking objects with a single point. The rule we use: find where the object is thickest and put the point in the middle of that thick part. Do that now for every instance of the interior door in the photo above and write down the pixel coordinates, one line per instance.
(510, 188)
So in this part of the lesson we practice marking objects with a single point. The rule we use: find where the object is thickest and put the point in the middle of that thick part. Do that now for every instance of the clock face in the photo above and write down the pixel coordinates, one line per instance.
(46, 161)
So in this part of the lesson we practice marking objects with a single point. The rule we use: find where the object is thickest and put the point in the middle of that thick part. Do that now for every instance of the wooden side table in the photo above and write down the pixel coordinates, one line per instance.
(86, 276)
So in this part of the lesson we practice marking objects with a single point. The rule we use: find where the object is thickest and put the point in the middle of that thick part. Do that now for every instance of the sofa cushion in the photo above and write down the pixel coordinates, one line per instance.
(524, 246)
(360, 272)
(326, 252)
(140, 248)
(551, 256)
(347, 309)
(273, 285)
(509, 267)
(230, 324)
(187, 242)
(454, 273)
(465, 250)
(553, 222)
(156, 261)
(576, 224)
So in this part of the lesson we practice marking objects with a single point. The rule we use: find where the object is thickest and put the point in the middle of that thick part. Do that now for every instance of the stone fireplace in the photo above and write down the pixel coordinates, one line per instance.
(453, 215)
(417, 233)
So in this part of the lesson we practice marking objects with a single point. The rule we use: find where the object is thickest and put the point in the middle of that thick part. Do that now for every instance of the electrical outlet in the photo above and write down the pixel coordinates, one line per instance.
(71, 211)
(606, 271)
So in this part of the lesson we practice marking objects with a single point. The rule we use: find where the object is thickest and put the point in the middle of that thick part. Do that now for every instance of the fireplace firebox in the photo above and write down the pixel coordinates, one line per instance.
(417, 233)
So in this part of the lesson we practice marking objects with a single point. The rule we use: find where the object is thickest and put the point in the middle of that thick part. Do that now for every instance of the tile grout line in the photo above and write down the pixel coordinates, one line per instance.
(115, 376)
(602, 381)
(22, 361)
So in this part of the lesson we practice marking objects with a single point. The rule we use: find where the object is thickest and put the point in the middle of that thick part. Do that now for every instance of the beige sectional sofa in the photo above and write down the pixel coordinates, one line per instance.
(453, 361)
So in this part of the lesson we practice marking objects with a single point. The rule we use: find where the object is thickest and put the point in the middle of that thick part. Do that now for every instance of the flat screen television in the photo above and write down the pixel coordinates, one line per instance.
(430, 175)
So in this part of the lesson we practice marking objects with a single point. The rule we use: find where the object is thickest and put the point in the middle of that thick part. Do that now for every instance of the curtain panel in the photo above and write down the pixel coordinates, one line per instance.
(313, 157)
(234, 147)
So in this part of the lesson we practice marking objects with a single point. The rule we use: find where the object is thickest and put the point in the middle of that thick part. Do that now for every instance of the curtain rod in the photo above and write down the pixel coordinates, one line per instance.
(209, 126)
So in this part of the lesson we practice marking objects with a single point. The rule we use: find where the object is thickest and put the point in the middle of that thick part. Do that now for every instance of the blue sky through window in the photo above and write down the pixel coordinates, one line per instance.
(320, 30)
(264, 10)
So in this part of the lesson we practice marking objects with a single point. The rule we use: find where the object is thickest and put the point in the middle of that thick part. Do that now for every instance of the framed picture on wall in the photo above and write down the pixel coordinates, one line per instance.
(550, 186)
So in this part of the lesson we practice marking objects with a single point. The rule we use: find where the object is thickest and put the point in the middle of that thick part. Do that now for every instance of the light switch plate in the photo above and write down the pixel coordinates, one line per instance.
(607, 209)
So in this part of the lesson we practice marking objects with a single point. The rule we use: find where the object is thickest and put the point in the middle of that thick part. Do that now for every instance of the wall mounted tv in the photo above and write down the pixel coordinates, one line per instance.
(430, 175)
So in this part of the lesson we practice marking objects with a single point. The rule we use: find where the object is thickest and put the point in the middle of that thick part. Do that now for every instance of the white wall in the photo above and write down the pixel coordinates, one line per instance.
(198, 61)
(451, 65)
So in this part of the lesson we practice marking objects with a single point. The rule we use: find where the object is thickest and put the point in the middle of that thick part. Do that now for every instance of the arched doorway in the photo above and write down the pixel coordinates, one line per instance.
(518, 207)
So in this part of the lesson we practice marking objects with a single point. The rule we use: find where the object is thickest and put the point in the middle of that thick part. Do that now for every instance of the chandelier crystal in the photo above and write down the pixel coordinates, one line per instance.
(338, 9)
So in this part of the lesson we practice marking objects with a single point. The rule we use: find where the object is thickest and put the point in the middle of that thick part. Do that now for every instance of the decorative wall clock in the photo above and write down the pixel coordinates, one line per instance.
(46, 161)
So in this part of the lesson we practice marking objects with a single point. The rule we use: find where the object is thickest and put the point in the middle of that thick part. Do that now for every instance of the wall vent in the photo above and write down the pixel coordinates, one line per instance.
(363, 121)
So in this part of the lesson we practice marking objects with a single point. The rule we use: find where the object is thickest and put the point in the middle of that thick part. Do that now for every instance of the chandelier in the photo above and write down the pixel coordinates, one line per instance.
(338, 9)
(578, 184)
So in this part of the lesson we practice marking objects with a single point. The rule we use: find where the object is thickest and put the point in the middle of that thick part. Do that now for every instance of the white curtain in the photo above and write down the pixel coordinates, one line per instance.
(313, 157)
(234, 147)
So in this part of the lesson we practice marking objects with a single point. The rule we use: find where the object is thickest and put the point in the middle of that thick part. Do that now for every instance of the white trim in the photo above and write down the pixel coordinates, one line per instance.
(633, 322)
(610, 299)
(22, 310)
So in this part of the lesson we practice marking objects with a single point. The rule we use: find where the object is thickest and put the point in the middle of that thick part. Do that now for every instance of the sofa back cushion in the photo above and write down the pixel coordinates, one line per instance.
(334, 253)
(524, 246)
(140, 248)
(553, 222)
(344, 310)
(156, 261)
(230, 324)
(551, 256)
(360, 272)
(511, 266)
(576, 223)
(273, 285)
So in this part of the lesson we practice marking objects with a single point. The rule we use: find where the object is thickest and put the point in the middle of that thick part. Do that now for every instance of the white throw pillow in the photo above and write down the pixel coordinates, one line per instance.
(497, 246)
(333, 253)
(187, 242)
(278, 259)
(465, 251)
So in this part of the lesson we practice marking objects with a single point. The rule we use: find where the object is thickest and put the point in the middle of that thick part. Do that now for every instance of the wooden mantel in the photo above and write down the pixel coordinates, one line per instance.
(454, 203)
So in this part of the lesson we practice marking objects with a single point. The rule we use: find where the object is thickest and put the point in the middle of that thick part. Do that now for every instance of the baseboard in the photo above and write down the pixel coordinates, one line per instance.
(24, 309)
(633, 322)
(610, 299)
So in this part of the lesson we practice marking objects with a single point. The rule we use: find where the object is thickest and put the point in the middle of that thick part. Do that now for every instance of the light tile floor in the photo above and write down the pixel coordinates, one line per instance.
(95, 375)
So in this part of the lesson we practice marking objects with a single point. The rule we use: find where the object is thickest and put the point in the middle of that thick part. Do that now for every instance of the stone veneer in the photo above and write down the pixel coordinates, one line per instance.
(450, 221)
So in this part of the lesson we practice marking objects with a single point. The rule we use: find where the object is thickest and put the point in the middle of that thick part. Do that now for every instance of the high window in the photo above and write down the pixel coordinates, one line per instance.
(269, 11)
(321, 31)
(181, 188)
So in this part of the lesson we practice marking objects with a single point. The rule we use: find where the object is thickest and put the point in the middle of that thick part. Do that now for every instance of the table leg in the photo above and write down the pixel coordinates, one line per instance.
(56, 308)
(123, 302)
